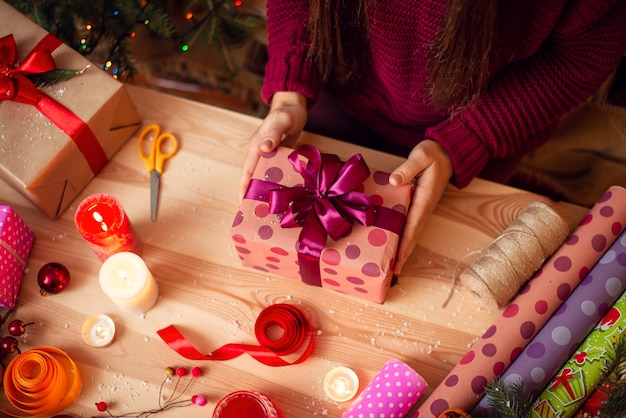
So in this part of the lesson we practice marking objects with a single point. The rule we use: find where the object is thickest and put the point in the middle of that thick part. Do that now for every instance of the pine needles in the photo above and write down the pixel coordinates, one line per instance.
(509, 402)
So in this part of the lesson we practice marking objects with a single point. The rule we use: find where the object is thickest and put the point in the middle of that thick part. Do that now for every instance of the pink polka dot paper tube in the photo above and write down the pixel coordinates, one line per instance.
(356, 263)
(583, 371)
(569, 325)
(16, 241)
(536, 302)
(391, 394)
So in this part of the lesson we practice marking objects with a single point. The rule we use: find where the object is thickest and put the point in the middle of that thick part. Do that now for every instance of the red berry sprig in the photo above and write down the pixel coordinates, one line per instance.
(175, 399)
(8, 343)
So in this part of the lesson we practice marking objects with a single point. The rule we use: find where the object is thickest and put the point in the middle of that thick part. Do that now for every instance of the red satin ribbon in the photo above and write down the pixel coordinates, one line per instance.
(297, 331)
(15, 86)
(325, 205)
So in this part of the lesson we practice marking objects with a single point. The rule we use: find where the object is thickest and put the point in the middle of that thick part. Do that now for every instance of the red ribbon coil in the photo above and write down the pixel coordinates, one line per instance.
(297, 336)
(15, 86)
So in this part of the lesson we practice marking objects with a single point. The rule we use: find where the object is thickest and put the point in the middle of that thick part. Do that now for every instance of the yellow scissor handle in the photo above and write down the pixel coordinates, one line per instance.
(156, 158)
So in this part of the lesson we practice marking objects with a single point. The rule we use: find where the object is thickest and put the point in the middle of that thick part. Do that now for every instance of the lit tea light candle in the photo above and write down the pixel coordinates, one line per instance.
(102, 222)
(98, 330)
(125, 278)
(341, 384)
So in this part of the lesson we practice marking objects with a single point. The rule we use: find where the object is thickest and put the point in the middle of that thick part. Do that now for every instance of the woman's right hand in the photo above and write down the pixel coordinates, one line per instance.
(284, 123)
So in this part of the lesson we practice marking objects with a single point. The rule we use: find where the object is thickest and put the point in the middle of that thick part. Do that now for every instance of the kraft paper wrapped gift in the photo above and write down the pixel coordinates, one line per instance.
(316, 219)
(54, 139)
(16, 241)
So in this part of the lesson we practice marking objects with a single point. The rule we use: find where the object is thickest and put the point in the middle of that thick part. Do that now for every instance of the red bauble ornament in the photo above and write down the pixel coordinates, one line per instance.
(53, 278)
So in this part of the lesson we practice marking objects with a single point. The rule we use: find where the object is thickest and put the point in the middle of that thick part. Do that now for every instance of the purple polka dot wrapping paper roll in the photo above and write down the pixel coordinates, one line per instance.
(391, 394)
(570, 324)
(16, 241)
(536, 302)
(358, 264)
(585, 369)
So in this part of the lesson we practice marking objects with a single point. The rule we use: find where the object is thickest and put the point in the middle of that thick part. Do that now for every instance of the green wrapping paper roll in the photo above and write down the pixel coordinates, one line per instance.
(586, 368)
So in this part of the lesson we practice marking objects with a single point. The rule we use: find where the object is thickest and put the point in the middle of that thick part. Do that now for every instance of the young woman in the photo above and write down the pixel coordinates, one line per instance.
(453, 85)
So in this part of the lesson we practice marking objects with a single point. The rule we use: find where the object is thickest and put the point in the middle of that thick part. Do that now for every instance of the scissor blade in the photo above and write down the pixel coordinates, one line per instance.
(155, 181)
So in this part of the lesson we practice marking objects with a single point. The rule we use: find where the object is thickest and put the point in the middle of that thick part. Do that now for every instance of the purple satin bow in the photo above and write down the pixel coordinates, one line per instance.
(325, 205)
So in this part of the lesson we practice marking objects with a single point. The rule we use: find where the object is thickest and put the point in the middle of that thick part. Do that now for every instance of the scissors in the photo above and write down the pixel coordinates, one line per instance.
(154, 161)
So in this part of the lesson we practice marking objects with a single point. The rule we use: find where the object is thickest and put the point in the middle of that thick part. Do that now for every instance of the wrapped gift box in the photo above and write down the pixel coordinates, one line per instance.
(358, 262)
(16, 241)
(48, 152)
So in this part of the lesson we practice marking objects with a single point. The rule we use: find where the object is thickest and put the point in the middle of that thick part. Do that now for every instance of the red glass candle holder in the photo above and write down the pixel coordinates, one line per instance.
(102, 222)
(245, 403)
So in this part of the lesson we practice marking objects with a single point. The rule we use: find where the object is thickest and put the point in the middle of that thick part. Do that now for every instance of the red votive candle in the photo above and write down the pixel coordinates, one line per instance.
(244, 403)
(102, 222)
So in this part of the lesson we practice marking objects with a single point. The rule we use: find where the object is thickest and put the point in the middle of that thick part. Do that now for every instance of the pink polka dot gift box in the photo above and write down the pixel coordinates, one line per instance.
(16, 241)
(314, 218)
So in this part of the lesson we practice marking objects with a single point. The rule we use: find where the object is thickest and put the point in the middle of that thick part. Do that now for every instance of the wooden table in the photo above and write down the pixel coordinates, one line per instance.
(205, 291)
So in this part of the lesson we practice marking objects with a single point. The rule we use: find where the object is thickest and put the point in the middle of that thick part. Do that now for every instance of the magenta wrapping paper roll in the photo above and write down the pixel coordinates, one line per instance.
(391, 394)
(536, 302)
(570, 324)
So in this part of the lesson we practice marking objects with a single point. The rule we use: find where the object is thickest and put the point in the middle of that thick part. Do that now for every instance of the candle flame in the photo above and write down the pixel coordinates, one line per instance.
(341, 386)
(98, 218)
(101, 332)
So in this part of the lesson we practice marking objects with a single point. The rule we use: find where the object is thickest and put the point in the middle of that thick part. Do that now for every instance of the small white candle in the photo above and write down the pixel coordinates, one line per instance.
(341, 384)
(98, 330)
(125, 278)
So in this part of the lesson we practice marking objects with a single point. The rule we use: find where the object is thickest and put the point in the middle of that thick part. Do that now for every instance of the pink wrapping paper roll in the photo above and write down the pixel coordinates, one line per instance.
(392, 393)
(530, 310)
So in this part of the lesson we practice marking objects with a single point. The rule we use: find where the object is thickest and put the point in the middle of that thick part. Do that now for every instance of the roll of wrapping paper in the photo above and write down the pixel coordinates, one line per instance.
(41, 382)
(392, 393)
(586, 367)
(569, 325)
(505, 339)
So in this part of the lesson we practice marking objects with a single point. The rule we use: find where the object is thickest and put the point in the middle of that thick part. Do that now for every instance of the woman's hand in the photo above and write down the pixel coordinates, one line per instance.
(429, 164)
(284, 122)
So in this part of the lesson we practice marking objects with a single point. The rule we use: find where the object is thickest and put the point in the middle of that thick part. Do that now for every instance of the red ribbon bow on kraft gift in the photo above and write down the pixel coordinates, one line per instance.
(296, 338)
(15, 86)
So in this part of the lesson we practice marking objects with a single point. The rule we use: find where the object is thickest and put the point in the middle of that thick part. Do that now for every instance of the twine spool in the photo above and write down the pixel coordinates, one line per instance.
(503, 267)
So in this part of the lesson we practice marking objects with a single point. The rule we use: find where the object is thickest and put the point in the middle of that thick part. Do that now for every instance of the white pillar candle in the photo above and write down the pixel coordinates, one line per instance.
(125, 278)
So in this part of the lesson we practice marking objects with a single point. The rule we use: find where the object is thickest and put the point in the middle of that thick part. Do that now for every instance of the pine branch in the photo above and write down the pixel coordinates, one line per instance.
(615, 402)
(49, 78)
(159, 21)
(509, 402)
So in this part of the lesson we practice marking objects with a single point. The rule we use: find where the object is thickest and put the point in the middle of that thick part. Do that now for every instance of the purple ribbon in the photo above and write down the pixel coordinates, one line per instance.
(326, 204)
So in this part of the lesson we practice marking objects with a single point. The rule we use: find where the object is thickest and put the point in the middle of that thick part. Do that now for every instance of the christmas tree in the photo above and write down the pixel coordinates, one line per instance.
(198, 42)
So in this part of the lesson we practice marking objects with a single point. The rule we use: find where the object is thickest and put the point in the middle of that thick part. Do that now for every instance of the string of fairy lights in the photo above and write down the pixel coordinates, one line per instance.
(184, 36)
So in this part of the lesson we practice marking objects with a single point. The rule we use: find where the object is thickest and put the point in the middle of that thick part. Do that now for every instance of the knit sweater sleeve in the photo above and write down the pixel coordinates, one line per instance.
(287, 68)
(524, 102)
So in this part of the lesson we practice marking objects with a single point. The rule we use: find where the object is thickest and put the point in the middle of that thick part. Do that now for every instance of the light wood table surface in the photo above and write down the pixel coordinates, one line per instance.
(207, 294)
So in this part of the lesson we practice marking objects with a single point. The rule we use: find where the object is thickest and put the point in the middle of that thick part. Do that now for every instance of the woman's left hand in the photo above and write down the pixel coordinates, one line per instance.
(431, 168)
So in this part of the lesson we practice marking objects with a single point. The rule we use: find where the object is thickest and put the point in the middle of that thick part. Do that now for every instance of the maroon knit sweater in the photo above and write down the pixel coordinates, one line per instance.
(551, 55)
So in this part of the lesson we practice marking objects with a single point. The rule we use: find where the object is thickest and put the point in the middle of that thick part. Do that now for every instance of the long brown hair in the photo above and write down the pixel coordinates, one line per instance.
(459, 57)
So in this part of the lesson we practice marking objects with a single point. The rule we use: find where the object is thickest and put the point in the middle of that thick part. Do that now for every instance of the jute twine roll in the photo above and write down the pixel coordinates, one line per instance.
(511, 260)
